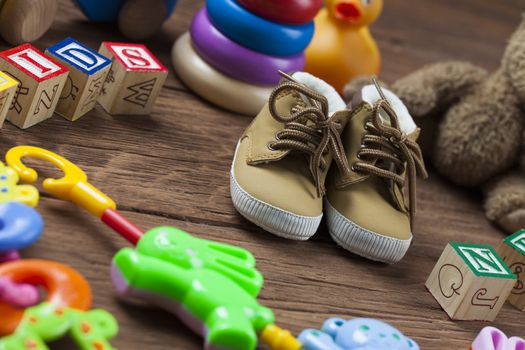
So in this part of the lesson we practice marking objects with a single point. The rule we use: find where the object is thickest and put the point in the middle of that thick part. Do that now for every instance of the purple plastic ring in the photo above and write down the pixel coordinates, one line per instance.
(236, 61)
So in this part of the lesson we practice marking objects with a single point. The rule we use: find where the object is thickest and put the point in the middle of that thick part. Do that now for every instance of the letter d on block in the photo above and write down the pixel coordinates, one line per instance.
(87, 72)
(82, 57)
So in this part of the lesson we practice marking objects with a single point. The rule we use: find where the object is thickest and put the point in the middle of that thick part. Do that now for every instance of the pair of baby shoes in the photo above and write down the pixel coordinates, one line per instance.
(307, 153)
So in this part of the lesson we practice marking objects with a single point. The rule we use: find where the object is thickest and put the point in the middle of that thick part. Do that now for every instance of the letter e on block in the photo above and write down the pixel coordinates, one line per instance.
(8, 87)
(87, 72)
(512, 251)
(41, 80)
(470, 282)
(134, 81)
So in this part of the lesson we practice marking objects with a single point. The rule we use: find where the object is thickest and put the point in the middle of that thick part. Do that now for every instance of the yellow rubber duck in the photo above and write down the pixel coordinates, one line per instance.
(342, 47)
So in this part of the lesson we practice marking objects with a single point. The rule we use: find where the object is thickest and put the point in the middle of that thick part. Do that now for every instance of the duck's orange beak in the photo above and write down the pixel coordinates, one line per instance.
(355, 13)
(348, 11)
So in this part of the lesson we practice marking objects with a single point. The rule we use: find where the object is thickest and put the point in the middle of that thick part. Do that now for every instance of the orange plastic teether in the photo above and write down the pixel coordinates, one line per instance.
(64, 286)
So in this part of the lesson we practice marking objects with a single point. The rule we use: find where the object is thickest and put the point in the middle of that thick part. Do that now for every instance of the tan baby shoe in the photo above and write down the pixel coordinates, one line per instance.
(281, 161)
(367, 210)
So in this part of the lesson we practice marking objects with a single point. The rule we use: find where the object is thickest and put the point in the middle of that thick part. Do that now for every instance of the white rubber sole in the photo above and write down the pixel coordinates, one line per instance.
(360, 241)
(270, 218)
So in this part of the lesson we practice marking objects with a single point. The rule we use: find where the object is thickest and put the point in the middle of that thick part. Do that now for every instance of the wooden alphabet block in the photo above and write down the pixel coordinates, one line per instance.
(134, 81)
(512, 251)
(8, 87)
(41, 80)
(87, 72)
(470, 282)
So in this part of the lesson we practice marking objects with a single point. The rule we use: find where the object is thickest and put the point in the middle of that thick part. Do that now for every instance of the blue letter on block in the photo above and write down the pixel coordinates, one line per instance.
(79, 56)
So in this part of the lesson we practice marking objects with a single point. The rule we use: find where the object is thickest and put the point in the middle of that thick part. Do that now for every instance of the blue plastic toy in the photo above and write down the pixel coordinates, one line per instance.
(256, 33)
(356, 334)
(108, 10)
(20, 226)
(101, 10)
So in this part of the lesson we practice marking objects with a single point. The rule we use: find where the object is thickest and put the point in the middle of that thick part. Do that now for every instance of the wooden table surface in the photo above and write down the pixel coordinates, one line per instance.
(172, 168)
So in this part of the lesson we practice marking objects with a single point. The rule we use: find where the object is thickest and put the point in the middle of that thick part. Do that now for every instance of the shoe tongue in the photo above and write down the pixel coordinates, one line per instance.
(370, 95)
(385, 118)
(335, 101)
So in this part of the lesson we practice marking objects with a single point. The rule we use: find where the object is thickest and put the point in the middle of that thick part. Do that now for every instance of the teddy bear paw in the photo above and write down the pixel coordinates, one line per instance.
(513, 221)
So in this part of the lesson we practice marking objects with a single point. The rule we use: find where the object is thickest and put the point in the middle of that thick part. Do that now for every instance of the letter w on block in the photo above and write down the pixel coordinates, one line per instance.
(41, 80)
(134, 81)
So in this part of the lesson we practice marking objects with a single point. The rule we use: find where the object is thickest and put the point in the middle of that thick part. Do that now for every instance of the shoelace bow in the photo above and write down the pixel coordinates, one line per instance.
(388, 143)
(309, 130)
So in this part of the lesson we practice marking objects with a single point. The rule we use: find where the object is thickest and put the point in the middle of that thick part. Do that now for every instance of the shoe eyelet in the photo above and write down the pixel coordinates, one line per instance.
(353, 168)
(270, 146)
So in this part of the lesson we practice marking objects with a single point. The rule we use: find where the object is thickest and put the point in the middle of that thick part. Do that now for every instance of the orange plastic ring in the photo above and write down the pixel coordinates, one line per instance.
(64, 286)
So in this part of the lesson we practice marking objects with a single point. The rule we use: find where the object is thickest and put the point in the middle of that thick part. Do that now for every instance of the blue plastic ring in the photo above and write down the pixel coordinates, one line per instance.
(20, 226)
(237, 61)
(256, 33)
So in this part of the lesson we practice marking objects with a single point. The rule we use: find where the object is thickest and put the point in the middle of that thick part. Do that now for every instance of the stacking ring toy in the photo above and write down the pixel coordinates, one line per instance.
(64, 286)
(284, 11)
(214, 86)
(256, 33)
(20, 226)
(236, 61)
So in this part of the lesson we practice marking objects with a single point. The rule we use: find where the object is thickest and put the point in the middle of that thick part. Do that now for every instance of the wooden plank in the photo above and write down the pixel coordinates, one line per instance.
(171, 168)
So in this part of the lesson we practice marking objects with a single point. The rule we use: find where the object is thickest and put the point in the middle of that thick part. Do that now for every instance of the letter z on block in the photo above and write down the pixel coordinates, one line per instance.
(41, 80)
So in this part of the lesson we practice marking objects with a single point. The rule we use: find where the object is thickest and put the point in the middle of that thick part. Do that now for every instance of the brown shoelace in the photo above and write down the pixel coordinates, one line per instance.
(387, 145)
(309, 130)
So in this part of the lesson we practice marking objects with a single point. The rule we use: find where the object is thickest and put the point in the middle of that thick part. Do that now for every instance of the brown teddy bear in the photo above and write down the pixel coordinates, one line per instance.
(473, 126)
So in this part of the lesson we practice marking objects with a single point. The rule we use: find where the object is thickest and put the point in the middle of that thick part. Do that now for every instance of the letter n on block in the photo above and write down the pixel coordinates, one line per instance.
(40, 79)
(470, 282)
(512, 250)
(7, 92)
(134, 81)
(87, 72)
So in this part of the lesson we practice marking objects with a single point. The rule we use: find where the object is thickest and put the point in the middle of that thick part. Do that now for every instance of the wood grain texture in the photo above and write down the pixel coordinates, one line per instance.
(172, 168)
